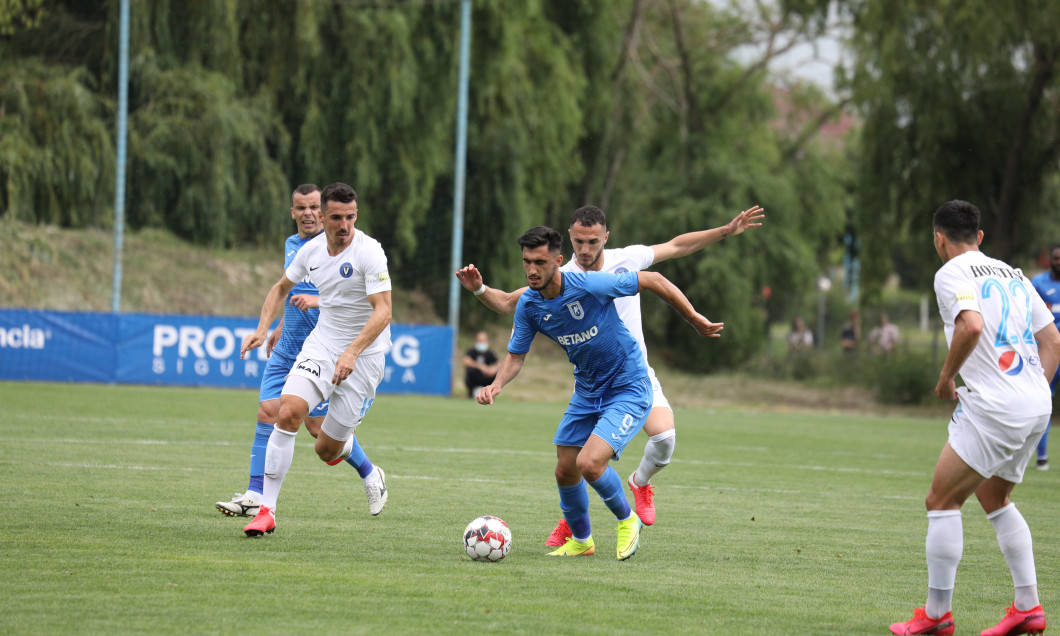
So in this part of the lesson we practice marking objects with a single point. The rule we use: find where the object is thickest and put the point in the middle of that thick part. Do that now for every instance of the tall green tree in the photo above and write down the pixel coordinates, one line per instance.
(960, 100)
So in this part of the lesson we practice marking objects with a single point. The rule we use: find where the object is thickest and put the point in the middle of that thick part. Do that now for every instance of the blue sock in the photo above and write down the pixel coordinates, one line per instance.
(1043, 443)
(359, 460)
(257, 456)
(574, 502)
(609, 486)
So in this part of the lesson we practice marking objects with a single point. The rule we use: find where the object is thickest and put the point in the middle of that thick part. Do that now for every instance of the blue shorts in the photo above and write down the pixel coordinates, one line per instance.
(276, 370)
(616, 417)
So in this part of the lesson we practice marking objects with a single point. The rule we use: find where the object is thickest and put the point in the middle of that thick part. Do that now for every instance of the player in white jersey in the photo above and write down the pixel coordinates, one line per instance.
(1003, 343)
(588, 233)
(342, 359)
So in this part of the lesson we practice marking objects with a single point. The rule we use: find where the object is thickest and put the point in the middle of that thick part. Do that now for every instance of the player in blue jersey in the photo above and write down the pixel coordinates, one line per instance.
(299, 317)
(612, 388)
(1047, 284)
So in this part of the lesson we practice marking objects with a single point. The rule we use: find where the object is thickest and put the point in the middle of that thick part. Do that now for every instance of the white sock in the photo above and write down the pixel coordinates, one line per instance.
(657, 454)
(1014, 538)
(944, 546)
(278, 456)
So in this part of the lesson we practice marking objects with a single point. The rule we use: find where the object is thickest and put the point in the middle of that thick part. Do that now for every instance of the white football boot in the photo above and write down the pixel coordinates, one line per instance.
(242, 505)
(375, 488)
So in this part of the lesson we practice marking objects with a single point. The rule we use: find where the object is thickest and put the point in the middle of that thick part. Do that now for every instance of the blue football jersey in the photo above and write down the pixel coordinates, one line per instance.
(1049, 290)
(296, 323)
(583, 320)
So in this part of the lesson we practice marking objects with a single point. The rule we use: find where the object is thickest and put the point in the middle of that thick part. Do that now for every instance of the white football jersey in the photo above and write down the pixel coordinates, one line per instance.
(1003, 375)
(632, 258)
(345, 281)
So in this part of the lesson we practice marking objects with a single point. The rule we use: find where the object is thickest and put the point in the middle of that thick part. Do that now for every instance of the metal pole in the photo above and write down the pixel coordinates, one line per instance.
(461, 161)
(119, 171)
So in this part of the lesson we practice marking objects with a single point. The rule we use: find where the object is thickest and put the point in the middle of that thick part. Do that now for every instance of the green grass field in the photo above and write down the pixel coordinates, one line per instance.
(769, 523)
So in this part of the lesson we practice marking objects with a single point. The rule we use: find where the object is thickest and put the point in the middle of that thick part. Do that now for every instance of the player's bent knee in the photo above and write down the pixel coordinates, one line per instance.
(268, 411)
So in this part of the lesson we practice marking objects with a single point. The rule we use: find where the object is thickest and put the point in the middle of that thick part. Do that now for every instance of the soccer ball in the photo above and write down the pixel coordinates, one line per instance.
(487, 539)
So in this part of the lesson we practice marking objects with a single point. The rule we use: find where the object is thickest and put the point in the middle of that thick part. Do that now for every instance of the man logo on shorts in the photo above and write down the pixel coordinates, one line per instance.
(345, 270)
(308, 366)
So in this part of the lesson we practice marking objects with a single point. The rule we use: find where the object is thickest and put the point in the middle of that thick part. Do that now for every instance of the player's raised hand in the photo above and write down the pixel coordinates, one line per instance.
(707, 328)
(486, 395)
(305, 302)
(749, 218)
(251, 341)
(470, 277)
(344, 367)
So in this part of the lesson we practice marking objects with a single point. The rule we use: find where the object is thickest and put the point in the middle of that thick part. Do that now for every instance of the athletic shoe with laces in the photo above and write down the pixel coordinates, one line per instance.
(921, 623)
(576, 548)
(1043, 464)
(242, 505)
(264, 522)
(560, 535)
(644, 498)
(628, 537)
(1016, 622)
(376, 491)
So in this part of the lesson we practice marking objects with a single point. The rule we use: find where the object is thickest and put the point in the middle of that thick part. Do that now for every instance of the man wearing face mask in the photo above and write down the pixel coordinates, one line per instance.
(480, 364)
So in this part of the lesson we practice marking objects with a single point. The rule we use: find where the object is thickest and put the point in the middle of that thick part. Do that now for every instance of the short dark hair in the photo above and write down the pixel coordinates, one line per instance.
(589, 215)
(306, 188)
(958, 221)
(339, 192)
(542, 235)
(1054, 248)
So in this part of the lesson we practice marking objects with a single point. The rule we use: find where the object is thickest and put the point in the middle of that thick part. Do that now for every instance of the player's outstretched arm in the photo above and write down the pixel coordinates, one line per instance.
(510, 367)
(966, 330)
(685, 244)
(305, 302)
(1048, 350)
(269, 310)
(499, 301)
(663, 288)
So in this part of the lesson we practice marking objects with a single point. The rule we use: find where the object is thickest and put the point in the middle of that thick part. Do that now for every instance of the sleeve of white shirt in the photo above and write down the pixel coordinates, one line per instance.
(955, 292)
(376, 276)
(299, 266)
(642, 255)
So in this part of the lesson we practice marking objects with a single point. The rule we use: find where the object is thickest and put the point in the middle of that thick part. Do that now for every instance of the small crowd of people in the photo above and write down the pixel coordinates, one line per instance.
(883, 338)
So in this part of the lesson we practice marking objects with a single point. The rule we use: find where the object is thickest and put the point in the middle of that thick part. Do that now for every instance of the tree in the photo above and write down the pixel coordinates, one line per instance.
(960, 100)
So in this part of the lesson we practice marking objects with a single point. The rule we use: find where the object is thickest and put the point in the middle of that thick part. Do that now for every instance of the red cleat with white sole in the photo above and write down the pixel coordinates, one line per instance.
(560, 535)
(644, 498)
(1016, 622)
(264, 522)
(921, 623)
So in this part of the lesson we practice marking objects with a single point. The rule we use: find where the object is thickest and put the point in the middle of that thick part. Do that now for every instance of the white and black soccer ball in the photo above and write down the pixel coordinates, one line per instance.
(487, 538)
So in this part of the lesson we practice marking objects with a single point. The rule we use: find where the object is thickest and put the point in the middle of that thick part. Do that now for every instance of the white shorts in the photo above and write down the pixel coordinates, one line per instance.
(660, 401)
(310, 379)
(995, 448)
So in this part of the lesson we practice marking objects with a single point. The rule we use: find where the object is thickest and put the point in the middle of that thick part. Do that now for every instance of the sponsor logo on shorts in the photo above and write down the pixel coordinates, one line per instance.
(308, 366)
(1011, 363)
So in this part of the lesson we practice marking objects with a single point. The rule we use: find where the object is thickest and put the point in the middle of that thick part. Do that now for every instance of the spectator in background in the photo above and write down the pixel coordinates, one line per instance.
(480, 365)
(884, 337)
(800, 337)
(851, 334)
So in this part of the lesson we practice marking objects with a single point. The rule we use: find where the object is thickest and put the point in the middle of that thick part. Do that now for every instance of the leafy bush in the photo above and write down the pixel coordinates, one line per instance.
(901, 377)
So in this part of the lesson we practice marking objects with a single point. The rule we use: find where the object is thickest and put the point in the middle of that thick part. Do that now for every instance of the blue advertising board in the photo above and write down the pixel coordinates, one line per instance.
(185, 351)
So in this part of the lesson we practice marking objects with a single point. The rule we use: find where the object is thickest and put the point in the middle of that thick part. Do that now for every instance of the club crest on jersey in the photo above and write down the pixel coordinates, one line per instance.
(575, 309)
(621, 270)
(345, 270)
(1011, 363)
